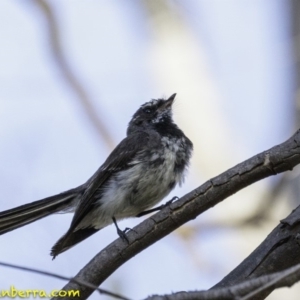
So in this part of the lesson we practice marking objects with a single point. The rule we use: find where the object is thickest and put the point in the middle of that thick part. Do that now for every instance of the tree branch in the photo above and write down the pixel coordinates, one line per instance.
(53, 34)
(245, 290)
(276, 160)
(58, 276)
(280, 250)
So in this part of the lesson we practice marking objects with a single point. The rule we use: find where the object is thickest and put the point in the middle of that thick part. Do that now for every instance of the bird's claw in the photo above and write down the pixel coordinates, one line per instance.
(171, 201)
(122, 234)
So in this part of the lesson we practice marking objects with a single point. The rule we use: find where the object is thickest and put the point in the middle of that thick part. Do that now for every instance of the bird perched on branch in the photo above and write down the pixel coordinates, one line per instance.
(137, 175)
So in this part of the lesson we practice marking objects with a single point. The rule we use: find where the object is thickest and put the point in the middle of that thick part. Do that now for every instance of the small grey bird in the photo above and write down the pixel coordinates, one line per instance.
(137, 175)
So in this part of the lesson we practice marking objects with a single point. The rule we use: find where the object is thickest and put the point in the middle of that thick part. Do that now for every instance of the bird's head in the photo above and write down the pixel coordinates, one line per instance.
(151, 113)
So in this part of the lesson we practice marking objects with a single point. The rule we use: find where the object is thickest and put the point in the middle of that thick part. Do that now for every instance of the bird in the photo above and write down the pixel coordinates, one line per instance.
(142, 170)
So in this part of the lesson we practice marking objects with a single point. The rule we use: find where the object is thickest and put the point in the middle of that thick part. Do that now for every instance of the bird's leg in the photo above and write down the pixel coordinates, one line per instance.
(157, 208)
(121, 233)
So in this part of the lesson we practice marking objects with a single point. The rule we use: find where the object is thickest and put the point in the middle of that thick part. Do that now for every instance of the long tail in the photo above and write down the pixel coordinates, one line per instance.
(25, 214)
(70, 239)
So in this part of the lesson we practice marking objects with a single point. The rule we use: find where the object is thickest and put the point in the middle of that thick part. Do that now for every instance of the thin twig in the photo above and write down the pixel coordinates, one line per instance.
(278, 278)
(80, 282)
(60, 58)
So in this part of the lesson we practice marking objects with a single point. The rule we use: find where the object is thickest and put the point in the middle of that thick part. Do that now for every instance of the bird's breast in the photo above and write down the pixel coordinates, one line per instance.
(150, 178)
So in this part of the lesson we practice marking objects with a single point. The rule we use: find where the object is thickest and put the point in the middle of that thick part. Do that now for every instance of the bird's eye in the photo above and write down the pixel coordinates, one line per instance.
(148, 110)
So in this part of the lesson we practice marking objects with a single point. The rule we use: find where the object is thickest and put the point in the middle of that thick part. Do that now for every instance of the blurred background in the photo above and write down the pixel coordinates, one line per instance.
(72, 73)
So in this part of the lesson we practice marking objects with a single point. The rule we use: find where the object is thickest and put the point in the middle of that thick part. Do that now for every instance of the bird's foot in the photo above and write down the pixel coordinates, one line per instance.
(121, 233)
(170, 202)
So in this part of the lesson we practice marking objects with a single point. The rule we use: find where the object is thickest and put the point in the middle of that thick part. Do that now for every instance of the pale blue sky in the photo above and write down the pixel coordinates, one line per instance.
(48, 146)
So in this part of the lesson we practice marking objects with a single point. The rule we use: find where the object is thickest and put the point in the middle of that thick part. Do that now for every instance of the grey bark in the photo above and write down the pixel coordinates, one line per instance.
(278, 159)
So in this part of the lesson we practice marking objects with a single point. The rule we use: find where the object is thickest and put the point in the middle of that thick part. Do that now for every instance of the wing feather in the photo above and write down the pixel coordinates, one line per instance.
(120, 159)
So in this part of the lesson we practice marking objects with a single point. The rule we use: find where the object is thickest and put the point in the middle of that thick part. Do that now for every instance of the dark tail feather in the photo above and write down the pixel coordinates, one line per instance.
(22, 215)
(70, 239)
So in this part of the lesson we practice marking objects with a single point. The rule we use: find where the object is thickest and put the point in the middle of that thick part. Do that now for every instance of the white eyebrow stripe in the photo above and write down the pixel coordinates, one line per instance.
(150, 103)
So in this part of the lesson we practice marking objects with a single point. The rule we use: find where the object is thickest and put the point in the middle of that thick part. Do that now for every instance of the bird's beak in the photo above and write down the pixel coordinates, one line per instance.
(168, 103)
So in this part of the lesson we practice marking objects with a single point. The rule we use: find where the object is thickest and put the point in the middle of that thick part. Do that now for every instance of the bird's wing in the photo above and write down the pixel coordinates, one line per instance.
(121, 158)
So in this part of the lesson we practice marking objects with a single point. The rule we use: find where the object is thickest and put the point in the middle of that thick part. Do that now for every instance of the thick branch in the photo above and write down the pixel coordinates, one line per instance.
(245, 290)
(280, 250)
(276, 160)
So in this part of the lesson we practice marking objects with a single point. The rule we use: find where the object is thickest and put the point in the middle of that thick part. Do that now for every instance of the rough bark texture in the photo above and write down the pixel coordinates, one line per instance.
(276, 160)
(245, 290)
(279, 251)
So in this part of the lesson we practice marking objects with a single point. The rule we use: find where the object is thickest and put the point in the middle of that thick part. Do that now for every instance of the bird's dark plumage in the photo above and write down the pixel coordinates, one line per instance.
(139, 173)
